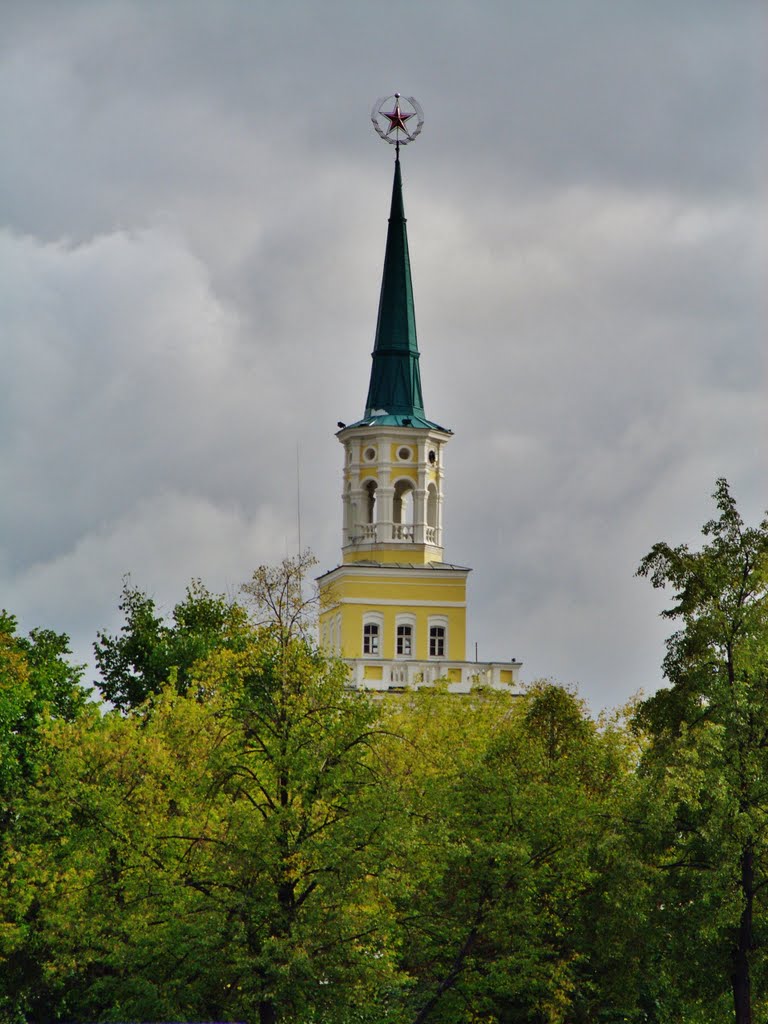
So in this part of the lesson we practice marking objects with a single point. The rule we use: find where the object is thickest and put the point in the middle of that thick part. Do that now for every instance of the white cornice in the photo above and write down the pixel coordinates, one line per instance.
(395, 434)
(435, 574)
(401, 602)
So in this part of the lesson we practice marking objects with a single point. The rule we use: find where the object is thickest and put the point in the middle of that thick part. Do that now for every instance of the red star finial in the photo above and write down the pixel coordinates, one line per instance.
(396, 118)
(392, 125)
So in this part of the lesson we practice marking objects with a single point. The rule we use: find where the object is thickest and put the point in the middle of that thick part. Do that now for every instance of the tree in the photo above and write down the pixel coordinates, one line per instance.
(708, 755)
(149, 651)
(501, 855)
(279, 600)
(36, 682)
(38, 685)
(214, 853)
(255, 841)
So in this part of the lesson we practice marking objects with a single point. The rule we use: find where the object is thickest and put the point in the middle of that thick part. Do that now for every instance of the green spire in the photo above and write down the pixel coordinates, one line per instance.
(395, 388)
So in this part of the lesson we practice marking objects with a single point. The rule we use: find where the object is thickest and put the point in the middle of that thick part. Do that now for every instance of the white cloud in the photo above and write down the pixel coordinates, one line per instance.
(161, 542)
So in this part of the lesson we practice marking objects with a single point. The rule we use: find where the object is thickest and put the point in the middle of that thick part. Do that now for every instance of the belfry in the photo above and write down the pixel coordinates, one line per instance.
(394, 609)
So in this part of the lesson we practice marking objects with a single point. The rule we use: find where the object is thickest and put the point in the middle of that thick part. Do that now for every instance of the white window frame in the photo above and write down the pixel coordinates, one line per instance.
(441, 622)
(404, 640)
(408, 621)
(373, 619)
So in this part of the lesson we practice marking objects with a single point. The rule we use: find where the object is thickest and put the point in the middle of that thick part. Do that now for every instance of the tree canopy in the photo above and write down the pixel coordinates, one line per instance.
(150, 652)
(237, 835)
(708, 758)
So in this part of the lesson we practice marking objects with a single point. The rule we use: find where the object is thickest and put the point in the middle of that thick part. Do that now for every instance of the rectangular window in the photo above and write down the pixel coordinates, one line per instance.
(437, 641)
(404, 640)
(370, 638)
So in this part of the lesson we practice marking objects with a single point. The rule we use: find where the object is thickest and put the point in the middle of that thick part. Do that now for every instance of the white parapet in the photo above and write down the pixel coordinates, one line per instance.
(382, 675)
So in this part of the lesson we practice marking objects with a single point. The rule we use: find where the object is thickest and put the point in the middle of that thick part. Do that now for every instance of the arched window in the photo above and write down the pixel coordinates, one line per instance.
(371, 638)
(405, 627)
(372, 629)
(405, 640)
(438, 636)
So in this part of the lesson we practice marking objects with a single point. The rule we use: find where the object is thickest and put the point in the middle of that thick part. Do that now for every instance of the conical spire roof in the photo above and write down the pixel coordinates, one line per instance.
(395, 379)
(394, 393)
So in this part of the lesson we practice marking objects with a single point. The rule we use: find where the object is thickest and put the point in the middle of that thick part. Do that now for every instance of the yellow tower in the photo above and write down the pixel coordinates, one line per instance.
(394, 609)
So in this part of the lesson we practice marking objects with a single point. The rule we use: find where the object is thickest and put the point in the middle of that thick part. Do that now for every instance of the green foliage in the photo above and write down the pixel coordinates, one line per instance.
(508, 803)
(721, 652)
(36, 682)
(299, 787)
(270, 846)
(707, 763)
(150, 652)
(245, 838)
(38, 686)
(208, 854)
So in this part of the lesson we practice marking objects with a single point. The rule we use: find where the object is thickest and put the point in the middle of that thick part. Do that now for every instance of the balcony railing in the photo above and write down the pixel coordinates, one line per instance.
(382, 674)
(380, 533)
(402, 531)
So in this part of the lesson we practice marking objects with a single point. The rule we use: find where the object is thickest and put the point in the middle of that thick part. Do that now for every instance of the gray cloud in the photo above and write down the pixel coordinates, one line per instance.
(194, 218)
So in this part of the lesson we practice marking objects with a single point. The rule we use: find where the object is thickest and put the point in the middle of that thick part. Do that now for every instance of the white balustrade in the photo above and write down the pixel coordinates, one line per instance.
(398, 675)
(383, 674)
(402, 531)
(377, 533)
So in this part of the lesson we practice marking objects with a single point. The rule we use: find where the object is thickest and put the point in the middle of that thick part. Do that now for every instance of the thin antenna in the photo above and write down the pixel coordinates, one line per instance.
(298, 497)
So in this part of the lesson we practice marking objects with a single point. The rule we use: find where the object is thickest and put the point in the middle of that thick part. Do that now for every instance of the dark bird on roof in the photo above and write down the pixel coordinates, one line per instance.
(341, 425)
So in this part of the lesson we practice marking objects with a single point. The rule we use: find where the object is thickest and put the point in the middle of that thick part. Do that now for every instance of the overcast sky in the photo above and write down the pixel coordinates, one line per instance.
(194, 212)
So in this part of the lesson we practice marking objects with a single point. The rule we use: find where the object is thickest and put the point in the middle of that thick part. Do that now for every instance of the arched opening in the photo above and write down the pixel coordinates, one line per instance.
(370, 502)
(402, 511)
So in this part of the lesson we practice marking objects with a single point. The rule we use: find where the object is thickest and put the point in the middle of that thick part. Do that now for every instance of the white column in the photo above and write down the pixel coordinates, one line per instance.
(385, 516)
(439, 530)
(420, 515)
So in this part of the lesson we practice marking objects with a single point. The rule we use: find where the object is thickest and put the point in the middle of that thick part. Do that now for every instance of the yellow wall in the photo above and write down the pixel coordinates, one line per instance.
(395, 448)
(400, 471)
(420, 595)
(408, 554)
(404, 471)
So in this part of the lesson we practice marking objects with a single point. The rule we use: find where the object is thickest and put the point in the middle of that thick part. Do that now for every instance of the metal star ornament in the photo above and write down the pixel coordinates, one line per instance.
(396, 118)
(390, 114)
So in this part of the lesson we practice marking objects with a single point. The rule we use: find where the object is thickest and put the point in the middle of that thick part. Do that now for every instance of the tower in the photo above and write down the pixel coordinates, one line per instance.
(394, 609)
